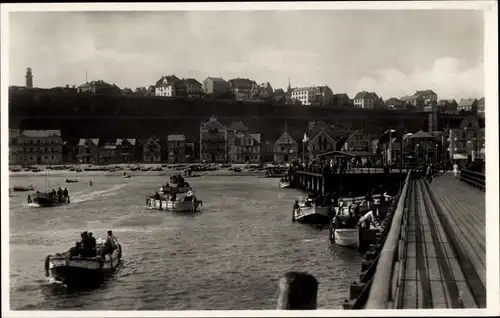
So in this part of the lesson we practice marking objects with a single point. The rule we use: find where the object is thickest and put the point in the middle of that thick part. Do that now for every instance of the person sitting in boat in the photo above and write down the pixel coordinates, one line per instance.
(173, 197)
(75, 250)
(296, 205)
(59, 195)
(87, 249)
(66, 194)
(29, 199)
(157, 196)
(114, 239)
(94, 243)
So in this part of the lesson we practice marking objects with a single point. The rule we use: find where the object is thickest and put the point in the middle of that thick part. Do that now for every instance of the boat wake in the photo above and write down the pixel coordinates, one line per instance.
(78, 198)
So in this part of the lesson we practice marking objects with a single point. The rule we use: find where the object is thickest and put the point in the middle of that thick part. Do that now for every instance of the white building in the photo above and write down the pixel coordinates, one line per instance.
(166, 86)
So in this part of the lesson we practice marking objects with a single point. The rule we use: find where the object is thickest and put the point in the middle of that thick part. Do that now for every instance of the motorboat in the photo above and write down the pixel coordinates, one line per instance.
(82, 271)
(284, 183)
(182, 203)
(311, 213)
(44, 199)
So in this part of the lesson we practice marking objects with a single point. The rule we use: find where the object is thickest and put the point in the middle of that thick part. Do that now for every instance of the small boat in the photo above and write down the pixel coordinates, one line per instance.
(284, 184)
(182, 204)
(23, 188)
(171, 190)
(72, 180)
(126, 176)
(310, 213)
(82, 271)
(237, 169)
(346, 237)
(276, 172)
(42, 199)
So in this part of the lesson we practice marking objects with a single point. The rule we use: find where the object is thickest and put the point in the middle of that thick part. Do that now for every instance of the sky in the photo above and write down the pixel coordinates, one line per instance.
(393, 53)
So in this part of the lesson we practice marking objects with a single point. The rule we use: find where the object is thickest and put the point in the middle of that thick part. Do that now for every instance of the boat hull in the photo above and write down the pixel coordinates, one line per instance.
(312, 215)
(172, 190)
(71, 180)
(175, 206)
(346, 237)
(45, 200)
(23, 188)
(82, 272)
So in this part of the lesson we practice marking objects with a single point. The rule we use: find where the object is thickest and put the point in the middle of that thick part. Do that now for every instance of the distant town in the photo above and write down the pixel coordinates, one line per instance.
(234, 142)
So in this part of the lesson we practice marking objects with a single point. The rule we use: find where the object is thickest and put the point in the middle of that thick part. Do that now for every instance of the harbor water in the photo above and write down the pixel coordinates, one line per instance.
(229, 256)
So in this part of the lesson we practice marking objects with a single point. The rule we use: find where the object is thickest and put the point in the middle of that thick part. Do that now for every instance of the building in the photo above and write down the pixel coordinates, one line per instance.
(314, 95)
(235, 128)
(99, 87)
(242, 88)
(107, 153)
(190, 87)
(285, 148)
(481, 106)
(167, 86)
(246, 148)
(412, 102)
(279, 96)
(39, 147)
(176, 145)
(467, 105)
(213, 141)
(367, 100)
(358, 141)
(215, 85)
(29, 78)
(428, 96)
(424, 146)
(341, 100)
(394, 103)
(151, 150)
(320, 138)
(468, 140)
(88, 150)
(262, 91)
(13, 147)
(447, 105)
(126, 150)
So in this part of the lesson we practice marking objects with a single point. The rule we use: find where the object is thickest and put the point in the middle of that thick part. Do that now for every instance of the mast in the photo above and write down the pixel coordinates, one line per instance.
(201, 158)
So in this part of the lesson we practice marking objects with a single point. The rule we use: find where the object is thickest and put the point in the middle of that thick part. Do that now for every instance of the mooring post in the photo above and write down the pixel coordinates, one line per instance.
(297, 291)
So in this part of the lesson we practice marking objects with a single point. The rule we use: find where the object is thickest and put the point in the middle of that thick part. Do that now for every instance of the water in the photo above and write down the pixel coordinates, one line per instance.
(228, 257)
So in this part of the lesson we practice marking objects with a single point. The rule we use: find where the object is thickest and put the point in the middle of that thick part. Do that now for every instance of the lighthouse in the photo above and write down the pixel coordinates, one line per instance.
(29, 78)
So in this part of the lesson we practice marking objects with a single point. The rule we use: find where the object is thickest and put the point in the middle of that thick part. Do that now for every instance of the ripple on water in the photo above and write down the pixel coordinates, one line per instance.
(230, 256)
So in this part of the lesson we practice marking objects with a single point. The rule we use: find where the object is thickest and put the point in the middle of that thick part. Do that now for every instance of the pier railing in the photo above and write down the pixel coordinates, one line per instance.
(475, 179)
(382, 291)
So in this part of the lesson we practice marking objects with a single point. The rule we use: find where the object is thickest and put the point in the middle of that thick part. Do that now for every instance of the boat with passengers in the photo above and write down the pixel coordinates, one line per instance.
(176, 202)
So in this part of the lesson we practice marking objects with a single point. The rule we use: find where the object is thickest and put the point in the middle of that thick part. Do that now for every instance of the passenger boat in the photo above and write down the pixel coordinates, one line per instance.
(284, 184)
(312, 214)
(43, 199)
(82, 272)
(23, 188)
(171, 190)
(72, 180)
(180, 205)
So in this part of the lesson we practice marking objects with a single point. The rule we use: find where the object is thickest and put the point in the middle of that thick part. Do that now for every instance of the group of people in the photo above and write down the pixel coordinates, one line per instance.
(58, 195)
(87, 246)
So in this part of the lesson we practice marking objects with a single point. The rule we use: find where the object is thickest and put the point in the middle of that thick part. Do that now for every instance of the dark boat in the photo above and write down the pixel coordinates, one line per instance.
(23, 188)
(72, 180)
(82, 271)
(276, 172)
(42, 199)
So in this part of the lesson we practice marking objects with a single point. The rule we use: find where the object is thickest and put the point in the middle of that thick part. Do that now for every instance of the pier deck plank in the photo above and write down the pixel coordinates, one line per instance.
(464, 208)
(429, 253)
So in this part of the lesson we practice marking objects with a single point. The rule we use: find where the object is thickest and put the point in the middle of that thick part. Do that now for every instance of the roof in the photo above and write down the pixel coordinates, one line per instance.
(212, 123)
(167, 80)
(465, 102)
(285, 138)
(318, 127)
(176, 138)
(256, 137)
(83, 141)
(130, 140)
(279, 91)
(40, 133)
(241, 83)
(215, 79)
(97, 82)
(109, 146)
(366, 95)
(421, 134)
(349, 153)
(190, 81)
(409, 98)
(481, 100)
(341, 95)
(13, 133)
(424, 92)
(237, 126)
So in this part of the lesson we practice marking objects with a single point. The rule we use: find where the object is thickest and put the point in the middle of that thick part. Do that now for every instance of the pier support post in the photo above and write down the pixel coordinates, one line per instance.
(298, 291)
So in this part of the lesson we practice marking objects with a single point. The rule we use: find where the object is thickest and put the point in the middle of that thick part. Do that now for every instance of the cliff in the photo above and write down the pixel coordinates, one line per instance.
(112, 116)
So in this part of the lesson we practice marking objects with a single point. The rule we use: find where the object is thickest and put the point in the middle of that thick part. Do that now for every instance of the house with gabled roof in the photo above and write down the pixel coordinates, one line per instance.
(320, 138)
(213, 141)
(151, 150)
(367, 100)
(246, 148)
(176, 147)
(241, 88)
(215, 85)
(190, 87)
(467, 105)
(107, 153)
(167, 86)
(88, 150)
(285, 148)
(428, 96)
(126, 149)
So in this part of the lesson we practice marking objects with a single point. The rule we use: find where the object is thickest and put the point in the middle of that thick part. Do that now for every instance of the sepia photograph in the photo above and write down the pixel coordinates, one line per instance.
(261, 157)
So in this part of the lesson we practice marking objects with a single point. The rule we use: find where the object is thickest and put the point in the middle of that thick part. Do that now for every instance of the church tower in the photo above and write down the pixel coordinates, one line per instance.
(289, 90)
(29, 78)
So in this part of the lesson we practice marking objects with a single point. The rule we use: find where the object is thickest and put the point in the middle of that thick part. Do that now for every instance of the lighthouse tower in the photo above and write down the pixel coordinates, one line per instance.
(29, 78)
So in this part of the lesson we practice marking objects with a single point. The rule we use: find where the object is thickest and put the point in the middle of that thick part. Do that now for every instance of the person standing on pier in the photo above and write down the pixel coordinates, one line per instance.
(455, 169)
(428, 172)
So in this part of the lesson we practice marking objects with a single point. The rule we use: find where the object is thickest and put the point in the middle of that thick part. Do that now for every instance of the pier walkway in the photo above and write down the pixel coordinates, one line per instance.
(434, 255)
